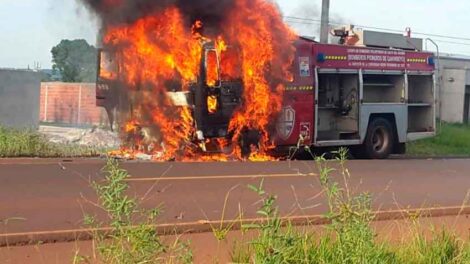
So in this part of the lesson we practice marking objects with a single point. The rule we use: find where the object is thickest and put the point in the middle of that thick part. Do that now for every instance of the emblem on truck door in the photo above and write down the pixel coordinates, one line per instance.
(285, 124)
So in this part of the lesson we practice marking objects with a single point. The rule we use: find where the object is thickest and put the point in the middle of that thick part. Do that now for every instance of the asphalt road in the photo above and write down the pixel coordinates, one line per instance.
(54, 195)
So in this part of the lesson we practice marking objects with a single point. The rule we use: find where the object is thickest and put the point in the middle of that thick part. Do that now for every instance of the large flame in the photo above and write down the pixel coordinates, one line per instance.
(159, 52)
(266, 57)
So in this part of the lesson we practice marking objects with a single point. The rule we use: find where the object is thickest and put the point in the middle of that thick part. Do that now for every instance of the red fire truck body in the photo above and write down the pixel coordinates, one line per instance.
(374, 98)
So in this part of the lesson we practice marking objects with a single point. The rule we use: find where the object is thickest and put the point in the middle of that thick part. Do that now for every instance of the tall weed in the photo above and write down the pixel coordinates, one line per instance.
(133, 238)
(348, 238)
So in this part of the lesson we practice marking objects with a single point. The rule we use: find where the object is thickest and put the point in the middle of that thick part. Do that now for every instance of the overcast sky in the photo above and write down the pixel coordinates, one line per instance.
(30, 28)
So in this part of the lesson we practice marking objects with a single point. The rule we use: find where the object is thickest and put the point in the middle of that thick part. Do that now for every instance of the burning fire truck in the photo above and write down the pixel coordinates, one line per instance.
(372, 97)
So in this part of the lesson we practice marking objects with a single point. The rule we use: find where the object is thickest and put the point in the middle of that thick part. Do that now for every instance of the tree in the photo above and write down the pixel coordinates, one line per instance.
(75, 60)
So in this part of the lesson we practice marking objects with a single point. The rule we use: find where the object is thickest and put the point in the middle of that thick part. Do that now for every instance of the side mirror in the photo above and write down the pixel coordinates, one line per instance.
(106, 68)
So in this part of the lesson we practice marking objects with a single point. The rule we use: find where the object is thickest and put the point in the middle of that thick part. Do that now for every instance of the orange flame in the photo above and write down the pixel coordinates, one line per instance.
(131, 126)
(159, 53)
(212, 68)
(105, 68)
(263, 41)
(212, 104)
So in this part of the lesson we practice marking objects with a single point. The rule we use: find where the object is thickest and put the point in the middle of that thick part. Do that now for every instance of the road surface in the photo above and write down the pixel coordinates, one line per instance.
(46, 196)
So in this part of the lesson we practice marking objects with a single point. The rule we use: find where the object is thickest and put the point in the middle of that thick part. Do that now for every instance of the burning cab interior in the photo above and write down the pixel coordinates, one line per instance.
(217, 93)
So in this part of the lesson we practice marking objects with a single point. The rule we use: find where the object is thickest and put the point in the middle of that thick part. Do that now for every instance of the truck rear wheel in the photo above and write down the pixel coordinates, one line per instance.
(379, 141)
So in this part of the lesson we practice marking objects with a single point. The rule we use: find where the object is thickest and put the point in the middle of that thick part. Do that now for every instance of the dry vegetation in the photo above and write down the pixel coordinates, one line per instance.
(349, 238)
(30, 143)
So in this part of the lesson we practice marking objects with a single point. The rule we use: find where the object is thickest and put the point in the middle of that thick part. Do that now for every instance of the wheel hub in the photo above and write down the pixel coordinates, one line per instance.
(380, 139)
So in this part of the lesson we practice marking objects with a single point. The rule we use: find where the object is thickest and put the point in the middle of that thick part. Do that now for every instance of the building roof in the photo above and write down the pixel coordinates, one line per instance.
(449, 56)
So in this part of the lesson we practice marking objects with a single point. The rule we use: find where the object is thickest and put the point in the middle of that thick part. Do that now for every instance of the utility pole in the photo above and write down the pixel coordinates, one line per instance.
(325, 21)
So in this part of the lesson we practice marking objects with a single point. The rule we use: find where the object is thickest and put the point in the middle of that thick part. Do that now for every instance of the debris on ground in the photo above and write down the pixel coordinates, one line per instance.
(93, 137)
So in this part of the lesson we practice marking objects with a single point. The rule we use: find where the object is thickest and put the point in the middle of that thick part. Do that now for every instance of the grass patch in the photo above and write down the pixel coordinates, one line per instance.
(133, 238)
(453, 139)
(348, 238)
(443, 247)
(30, 143)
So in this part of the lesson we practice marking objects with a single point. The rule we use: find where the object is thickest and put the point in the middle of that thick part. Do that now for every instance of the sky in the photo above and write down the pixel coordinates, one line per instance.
(30, 28)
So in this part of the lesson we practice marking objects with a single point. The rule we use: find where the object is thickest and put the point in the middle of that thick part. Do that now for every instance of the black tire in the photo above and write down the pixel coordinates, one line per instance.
(380, 140)
(357, 152)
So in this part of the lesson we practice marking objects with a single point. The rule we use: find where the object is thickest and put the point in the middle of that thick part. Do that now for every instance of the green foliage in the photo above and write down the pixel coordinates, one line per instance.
(220, 232)
(453, 139)
(347, 239)
(30, 143)
(113, 196)
(350, 217)
(133, 238)
(275, 243)
(441, 248)
(76, 60)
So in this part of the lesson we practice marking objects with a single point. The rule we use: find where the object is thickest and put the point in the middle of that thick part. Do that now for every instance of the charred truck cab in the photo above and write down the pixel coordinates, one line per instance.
(215, 99)
(370, 97)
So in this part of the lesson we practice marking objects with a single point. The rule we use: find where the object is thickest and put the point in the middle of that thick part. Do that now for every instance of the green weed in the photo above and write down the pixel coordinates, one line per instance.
(133, 238)
(348, 238)
(30, 143)
(278, 241)
(440, 247)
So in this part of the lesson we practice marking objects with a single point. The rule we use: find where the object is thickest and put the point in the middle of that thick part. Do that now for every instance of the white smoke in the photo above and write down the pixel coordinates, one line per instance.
(70, 20)
(305, 17)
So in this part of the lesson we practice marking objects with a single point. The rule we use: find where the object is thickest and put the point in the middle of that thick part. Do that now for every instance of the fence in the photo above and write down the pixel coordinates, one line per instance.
(70, 103)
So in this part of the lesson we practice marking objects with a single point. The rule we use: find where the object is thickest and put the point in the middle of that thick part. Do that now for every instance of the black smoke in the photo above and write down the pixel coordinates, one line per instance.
(114, 12)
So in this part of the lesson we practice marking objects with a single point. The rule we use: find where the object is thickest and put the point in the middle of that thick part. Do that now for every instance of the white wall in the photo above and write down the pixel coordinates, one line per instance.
(453, 94)
(19, 98)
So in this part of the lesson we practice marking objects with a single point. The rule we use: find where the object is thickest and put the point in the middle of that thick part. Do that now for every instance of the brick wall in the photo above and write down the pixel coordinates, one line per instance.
(70, 103)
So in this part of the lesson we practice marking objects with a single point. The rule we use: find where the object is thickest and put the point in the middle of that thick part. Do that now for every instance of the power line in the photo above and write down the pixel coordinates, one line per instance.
(452, 42)
(337, 24)
(306, 21)
(300, 20)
